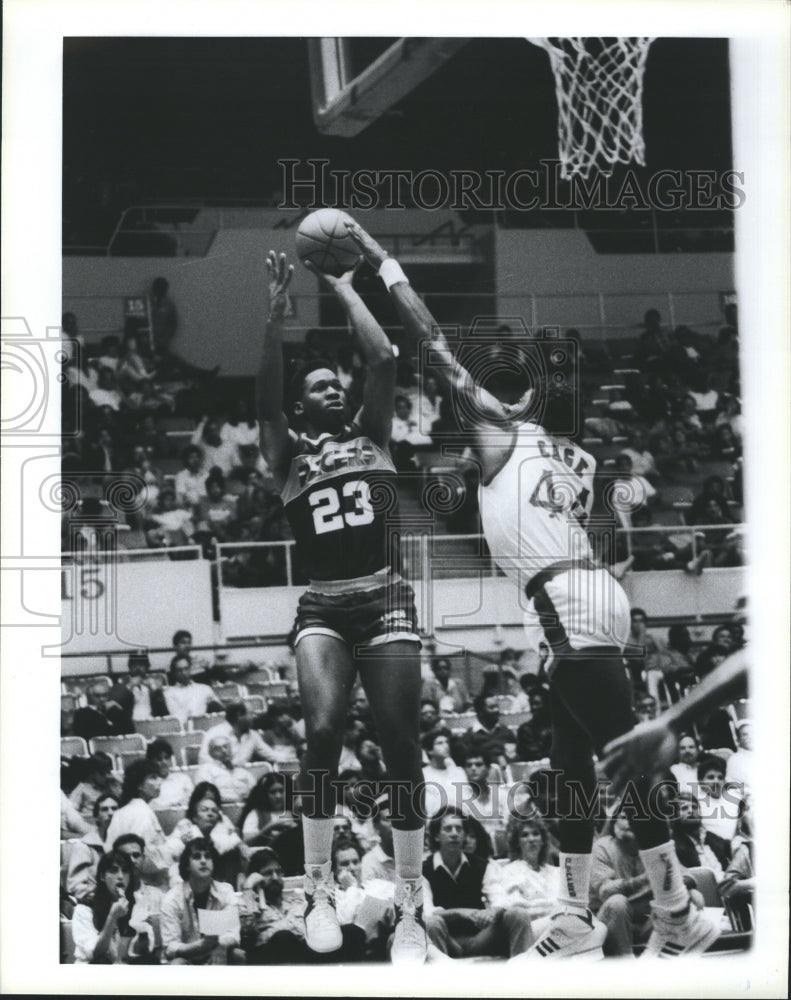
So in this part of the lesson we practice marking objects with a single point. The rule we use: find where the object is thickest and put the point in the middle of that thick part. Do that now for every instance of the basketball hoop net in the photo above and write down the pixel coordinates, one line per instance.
(599, 88)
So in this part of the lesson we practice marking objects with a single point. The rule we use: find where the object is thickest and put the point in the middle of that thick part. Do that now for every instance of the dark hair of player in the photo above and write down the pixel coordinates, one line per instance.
(296, 386)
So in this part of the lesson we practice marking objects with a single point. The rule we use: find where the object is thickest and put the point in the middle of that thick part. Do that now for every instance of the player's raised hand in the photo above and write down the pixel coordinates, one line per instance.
(329, 280)
(279, 277)
(369, 248)
(649, 748)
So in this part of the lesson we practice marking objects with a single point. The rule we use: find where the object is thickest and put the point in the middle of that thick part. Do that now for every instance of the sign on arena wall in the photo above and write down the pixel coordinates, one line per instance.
(112, 605)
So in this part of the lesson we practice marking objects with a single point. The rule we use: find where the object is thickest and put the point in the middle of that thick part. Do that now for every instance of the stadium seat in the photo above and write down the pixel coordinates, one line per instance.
(169, 817)
(200, 723)
(165, 725)
(255, 703)
(182, 743)
(287, 767)
(227, 692)
(73, 746)
(258, 768)
(233, 810)
(118, 744)
(515, 719)
(125, 758)
(522, 769)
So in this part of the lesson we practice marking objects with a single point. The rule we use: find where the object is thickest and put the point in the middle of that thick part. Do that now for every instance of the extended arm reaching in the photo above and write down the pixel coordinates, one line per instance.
(275, 439)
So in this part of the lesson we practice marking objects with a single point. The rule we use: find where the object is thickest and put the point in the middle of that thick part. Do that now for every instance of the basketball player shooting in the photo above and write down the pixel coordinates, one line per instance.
(358, 614)
(535, 499)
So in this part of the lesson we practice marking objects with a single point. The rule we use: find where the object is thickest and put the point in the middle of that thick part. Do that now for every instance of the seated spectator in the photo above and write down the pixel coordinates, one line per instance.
(730, 415)
(106, 392)
(719, 803)
(351, 896)
(205, 818)
(695, 846)
(101, 931)
(71, 823)
(458, 921)
(620, 891)
(520, 702)
(101, 716)
(426, 401)
(631, 492)
(639, 646)
(448, 692)
(713, 488)
(689, 419)
(481, 799)
(527, 880)
(642, 460)
(145, 916)
(488, 734)
(233, 782)
(274, 930)
(135, 815)
(147, 436)
(369, 754)
(110, 347)
(97, 782)
(645, 708)
(80, 871)
(739, 767)
(182, 645)
(706, 397)
(184, 698)
(190, 483)
(685, 770)
(176, 787)
(429, 719)
(444, 780)
(724, 444)
(170, 525)
(247, 744)
(534, 737)
(378, 862)
(357, 805)
(264, 814)
(215, 451)
(738, 883)
(674, 663)
(215, 513)
(352, 732)
(241, 427)
(131, 369)
(280, 733)
(100, 452)
(183, 942)
(654, 343)
(141, 697)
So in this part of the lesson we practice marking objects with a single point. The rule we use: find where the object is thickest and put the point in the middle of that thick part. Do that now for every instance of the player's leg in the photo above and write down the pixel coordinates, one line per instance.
(390, 675)
(325, 672)
(596, 691)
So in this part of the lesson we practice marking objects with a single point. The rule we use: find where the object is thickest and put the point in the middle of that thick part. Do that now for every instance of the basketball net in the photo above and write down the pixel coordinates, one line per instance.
(599, 88)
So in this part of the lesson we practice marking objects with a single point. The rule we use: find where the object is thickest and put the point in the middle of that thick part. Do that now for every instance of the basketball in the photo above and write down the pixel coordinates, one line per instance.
(322, 239)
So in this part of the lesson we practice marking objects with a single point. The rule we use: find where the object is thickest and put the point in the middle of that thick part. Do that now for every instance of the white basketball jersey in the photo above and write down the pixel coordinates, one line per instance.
(535, 510)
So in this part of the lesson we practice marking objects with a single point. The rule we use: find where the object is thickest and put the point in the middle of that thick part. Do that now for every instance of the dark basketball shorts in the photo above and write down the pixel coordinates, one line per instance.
(362, 613)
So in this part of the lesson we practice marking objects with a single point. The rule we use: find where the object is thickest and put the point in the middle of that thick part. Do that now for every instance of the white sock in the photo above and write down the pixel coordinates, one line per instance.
(408, 852)
(317, 834)
(575, 880)
(664, 873)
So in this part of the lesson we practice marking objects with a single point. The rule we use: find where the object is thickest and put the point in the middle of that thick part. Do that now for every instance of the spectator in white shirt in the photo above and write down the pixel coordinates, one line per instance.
(247, 744)
(405, 427)
(719, 802)
(216, 452)
(484, 801)
(233, 782)
(141, 786)
(176, 787)
(184, 698)
(685, 770)
(444, 779)
(739, 768)
(205, 818)
(190, 483)
(378, 862)
(643, 463)
(106, 392)
(528, 879)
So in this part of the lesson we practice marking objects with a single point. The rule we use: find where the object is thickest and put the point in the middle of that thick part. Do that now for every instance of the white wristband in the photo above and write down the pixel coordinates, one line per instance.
(390, 272)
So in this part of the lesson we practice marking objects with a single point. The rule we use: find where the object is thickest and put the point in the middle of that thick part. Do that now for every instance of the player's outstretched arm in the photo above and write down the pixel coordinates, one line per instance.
(376, 415)
(650, 748)
(421, 326)
(274, 434)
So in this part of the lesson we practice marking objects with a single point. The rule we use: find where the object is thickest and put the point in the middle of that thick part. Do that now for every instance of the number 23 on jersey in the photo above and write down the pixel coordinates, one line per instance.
(331, 509)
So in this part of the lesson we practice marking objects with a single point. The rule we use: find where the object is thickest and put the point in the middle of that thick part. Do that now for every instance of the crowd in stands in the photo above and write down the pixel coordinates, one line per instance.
(203, 814)
(666, 425)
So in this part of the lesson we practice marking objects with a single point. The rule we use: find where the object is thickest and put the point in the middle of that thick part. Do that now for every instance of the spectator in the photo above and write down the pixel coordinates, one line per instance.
(719, 803)
(369, 754)
(205, 818)
(444, 780)
(724, 444)
(520, 702)
(131, 369)
(247, 744)
(482, 800)
(164, 318)
(448, 692)
(106, 392)
(429, 718)
(639, 646)
(675, 662)
(97, 782)
(110, 346)
(183, 941)
(264, 815)
(643, 463)
(426, 402)
(99, 452)
(140, 696)
(171, 524)
(352, 732)
(620, 890)
(713, 488)
(695, 846)
(241, 427)
(234, 783)
(215, 451)
(645, 708)
(71, 823)
(631, 492)
(378, 862)
(685, 770)
(101, 716)
(488, 734)
(350, 896)
(101, 931)
(730, 416)
(184, 698)
(141, 786)
(145, 916)
(80, 873)
(358, 799)
(280, 734)
(738, 882)
(527, 880)
(176, 787)
(459, 922)
(534, 737)
(739, 768)
(190, 483)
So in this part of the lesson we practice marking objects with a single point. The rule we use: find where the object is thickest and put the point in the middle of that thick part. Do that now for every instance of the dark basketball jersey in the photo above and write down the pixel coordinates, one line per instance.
(341, 502)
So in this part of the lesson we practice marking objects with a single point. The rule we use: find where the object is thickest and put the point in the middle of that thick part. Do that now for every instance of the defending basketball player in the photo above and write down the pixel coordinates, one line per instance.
(358, 615)
(535, 499)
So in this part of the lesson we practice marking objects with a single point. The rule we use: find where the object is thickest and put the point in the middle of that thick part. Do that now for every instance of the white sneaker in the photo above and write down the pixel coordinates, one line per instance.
(409, 940)
(681, 933)
(322, 930)
(570, 932)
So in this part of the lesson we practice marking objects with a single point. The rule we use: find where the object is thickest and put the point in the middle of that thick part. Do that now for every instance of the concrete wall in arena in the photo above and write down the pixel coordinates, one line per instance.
(572, 285)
